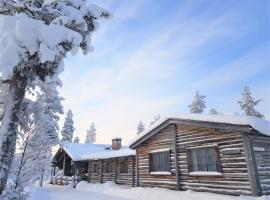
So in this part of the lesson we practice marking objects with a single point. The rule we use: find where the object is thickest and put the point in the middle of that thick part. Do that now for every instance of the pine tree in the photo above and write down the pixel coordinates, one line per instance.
(91, 134)
(76, 140)
(140, 128)
(68, 129)
(247, 104)
(198, 103)
(36, 36)
(213, 111)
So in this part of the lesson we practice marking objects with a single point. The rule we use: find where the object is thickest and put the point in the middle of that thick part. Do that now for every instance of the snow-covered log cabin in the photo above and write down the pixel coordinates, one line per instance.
(211, 153)
(95, 163)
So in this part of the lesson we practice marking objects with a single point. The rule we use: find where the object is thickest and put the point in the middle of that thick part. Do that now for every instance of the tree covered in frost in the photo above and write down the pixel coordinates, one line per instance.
(91, 134)
(68, 128)
(213, 111)
(35, 37)
(38, 132)
(247, 104)
(198, 103)
(155, 119)
(76, 140)
(140, 128)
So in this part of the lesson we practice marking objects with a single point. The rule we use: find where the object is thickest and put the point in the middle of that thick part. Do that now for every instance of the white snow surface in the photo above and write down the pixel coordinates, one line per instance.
(111, 191)
(261, 125)
(20, 35)
(89, 151)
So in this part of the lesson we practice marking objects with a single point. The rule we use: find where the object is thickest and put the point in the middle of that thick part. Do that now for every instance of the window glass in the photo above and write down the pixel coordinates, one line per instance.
(123, 167)
(160, 162)
(95, 168)
(203, 159)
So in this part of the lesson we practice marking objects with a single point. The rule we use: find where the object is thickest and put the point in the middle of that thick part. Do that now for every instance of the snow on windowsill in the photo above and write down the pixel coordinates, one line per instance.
(161, 173)
(202, 173)
(160, 150)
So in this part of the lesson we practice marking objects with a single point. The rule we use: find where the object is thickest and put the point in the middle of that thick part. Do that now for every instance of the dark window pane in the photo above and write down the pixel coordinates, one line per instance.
(203, 159)
(160, 162)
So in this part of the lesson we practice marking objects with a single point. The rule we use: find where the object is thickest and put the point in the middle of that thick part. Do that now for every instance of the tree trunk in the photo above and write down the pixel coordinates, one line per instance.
(41, 178)
(9, 126)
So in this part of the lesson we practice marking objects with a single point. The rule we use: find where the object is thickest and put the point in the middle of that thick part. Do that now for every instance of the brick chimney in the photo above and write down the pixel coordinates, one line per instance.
(116, 143)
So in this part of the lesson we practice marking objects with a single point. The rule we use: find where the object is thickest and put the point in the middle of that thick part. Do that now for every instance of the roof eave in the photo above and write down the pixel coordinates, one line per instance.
(224, 126)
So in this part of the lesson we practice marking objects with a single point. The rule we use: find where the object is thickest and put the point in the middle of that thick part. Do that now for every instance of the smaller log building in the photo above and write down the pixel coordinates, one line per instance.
(209, 153)
(95, 163)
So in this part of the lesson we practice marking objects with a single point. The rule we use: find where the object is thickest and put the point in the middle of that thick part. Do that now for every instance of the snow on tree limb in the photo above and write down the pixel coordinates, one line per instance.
(35, 37)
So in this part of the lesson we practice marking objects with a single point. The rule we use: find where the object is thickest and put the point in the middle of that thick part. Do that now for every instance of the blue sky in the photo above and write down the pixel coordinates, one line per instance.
(152, 56)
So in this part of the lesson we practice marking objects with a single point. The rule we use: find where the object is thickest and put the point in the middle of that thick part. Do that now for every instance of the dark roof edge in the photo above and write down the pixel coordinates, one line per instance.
(224, 126)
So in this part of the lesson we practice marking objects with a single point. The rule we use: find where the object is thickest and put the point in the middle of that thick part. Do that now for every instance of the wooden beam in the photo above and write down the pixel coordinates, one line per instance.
(89, 171)
(174, 128)
(64, 164)
(115, 172)
(101, 172)
(137, 169)
(251, 165)
(133, 171)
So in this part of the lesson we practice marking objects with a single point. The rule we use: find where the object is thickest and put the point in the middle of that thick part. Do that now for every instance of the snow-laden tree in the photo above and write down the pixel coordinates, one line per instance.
(247, 104)
(140, 128)
(68, 128)
(213, 111)
(38, 132)
(35, 37)
(198, 103)
(91, 134)
(155, 119)
(76, 140)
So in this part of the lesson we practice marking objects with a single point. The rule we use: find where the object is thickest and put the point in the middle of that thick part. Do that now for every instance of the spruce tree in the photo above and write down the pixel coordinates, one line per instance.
(91, 134)
(247, 104)
(76, 140)
(68, 128)
(198, 103)
(140, 128)
(213, 111)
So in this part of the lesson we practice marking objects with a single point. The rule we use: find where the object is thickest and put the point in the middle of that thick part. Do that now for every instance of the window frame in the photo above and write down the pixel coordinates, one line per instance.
(95, 168)
(108, 168)
(160, 172)
(125, 164)
(218, 171)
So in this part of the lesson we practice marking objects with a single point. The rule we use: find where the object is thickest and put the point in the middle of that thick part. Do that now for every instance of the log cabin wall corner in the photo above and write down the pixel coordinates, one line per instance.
(204, 156)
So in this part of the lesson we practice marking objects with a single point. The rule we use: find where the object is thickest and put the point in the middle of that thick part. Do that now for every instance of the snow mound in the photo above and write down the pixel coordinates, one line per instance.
(140, 193)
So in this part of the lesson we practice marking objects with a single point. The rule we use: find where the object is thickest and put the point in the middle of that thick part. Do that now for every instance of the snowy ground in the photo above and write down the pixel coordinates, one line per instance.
(110, 191)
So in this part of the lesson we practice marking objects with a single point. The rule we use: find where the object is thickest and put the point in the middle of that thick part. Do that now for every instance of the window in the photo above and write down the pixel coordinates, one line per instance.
(203, 159)
(160, 161)
(123, 167)
(95, 166)
(107, 167)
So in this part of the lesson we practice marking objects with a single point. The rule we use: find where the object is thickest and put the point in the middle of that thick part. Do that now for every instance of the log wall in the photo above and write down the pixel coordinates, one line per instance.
(234, 173)
(261, 148)
(114, 175)
(161, 140)
(234, 178)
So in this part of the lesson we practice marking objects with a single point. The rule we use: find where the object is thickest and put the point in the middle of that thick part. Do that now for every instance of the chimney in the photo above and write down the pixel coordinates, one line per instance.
(116, 143)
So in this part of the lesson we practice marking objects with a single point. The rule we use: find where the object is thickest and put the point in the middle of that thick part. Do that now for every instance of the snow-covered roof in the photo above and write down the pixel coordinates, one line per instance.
(79, 152)
(261, 125)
